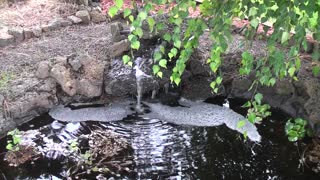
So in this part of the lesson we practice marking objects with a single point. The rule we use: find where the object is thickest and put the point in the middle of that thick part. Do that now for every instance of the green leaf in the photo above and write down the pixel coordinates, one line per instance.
(132, 37)
(252, 11)
(178, 21)
(177, 44)
(181, 67)
(138, 31)
(293, 133)
(142, 15)
(131, 18)
(285, 37)
(160, 74)
(252, 118)
(241, 124)
(291, 71)
(113, 11)
(160, 26)
(247, 104)
(167, 37)
(315, 70)
(135, 45)
(126, 13)
(130, 63)
(157, 56)
(214, 67)
(293, 139)
(163, 63)
(177, 80)
(155, 69)
(162, 49)
(148, 7)
(170, 55)
(213, 84)
(174, 51)
(125, 59)
(254, 23)
(151, 23)
(9, 147)
(219, 80)
(119, 3)
(298, 63)
(258, 97)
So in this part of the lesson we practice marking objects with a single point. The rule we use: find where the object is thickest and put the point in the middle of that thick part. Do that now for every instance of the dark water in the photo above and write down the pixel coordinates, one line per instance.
(166, 151)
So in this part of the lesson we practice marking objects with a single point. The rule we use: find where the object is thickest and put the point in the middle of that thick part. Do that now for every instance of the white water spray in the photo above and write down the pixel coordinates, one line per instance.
(139, 76)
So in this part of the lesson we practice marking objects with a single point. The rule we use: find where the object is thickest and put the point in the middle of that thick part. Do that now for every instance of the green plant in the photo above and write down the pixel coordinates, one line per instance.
(5, 77)
(13, 143)
(73, 146)
(296, 129)
(216, 18)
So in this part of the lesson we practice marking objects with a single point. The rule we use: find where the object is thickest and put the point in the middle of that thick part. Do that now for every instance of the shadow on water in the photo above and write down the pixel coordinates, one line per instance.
(166, 151)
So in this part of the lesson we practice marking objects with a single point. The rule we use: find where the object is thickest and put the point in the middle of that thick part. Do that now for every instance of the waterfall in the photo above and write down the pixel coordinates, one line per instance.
(139, 77)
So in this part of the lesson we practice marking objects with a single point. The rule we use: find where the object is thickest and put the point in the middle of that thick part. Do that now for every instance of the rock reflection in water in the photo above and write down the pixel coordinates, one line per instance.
(161, 150)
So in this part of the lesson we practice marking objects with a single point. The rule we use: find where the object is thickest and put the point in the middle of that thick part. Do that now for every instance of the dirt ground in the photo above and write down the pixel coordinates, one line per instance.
(27, 13)
(22, 58)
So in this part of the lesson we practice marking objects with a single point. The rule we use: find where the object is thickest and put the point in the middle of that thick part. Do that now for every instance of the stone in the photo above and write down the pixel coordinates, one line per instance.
(97, 17)
(6, 39)
(119, 48)
(28, 33)
(84, 2)
(197, 89)
(63, 77)
(89, 89)
(197, 68)
(121, 80)
(37, 31)
(17, 33)
(1, 100)
(31, 104)
(56, 24)
(65, 22)
(43, 70)
(74, 19)
(116, 28)
(75, 63)
(84, 16)
(46, 28)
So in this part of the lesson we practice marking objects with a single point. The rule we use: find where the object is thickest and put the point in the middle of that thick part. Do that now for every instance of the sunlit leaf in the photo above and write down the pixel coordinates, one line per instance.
(113, 11)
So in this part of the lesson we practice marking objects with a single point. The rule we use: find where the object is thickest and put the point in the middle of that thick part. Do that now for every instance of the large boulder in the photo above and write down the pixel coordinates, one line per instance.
(64, 77)
(77, 75)
(118, 48)
(84, 16)
(121, 80)
(29, 98)
(97, 17)
(6, 39)
(91, 81)
(17, 33)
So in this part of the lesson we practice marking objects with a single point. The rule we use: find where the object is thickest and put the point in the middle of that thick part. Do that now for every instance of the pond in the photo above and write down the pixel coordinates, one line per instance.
(162, 150)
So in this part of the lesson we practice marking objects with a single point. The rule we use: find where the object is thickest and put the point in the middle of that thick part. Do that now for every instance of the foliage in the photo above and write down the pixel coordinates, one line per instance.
(84, 160)
(13, 144)
(216, 17)
(296, 129)
(5, 77)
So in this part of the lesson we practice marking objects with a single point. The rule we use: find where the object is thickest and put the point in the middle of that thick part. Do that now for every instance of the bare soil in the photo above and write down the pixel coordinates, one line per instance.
(23, 58)
(27, 13)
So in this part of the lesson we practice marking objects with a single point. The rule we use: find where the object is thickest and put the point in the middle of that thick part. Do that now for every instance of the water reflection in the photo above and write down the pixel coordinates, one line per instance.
(165, 151)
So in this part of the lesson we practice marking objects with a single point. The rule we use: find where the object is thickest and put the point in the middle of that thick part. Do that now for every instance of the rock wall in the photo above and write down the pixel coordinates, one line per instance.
(82, 78)
(297, 98)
